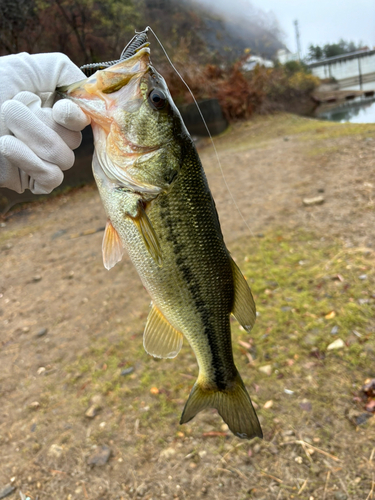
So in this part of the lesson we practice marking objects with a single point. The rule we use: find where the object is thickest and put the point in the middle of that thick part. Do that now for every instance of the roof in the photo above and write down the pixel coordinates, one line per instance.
(342, 57)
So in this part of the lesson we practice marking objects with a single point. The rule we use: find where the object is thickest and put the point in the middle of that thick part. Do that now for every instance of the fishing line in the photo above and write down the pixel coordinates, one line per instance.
(135, 43)
(148, 28)
(206, 127)
(139, 39)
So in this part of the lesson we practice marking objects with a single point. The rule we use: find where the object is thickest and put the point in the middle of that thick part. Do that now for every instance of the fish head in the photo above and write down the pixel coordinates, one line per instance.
(134, 118)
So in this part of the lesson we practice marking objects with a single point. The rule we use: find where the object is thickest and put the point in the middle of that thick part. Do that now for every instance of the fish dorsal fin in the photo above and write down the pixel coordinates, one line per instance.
(148, 234)
(243, 305)
(160, 338)
(112, 246)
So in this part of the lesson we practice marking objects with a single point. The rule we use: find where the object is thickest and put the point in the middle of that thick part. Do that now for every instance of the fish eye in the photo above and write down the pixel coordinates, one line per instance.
(157, 99)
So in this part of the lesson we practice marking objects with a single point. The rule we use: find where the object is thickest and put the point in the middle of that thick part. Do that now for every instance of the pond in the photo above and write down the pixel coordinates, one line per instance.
(356, 111)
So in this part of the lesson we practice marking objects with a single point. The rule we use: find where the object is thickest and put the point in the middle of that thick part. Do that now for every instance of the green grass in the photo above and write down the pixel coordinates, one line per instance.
(258, 133)
(6, 235)
(304, 287)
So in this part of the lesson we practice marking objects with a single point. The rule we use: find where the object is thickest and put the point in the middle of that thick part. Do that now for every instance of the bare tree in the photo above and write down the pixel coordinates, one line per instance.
(19, 25)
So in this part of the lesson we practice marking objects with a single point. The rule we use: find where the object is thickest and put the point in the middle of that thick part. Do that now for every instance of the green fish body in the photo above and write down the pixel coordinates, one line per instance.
(161, 211)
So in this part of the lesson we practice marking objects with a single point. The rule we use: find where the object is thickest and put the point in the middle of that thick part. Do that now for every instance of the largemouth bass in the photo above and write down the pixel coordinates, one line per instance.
(160, 209)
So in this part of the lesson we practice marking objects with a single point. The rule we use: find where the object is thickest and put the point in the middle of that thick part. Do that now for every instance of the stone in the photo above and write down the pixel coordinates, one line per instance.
(256, 448)
(55, 451)
(357, 418)
(100, 456)
(337, 344)
(362, 302)
(7, 490)
(362, 418)
(127, 371)
(316, 200)
(42, 332)
(167, 453)
(91, 412)
(59, 233)
(141, 490)
(311, 339)
(305, 405)
(266, 369)
(340, 495)
(96, 404)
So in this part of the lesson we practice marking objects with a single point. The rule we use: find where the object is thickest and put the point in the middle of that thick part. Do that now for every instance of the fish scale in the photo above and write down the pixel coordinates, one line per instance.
(161, 211)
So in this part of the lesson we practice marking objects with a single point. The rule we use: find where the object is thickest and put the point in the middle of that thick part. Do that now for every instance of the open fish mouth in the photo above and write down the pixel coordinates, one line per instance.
(110, 91)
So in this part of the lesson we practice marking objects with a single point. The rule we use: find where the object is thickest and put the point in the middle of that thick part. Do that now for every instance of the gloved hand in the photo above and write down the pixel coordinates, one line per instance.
(37, 138)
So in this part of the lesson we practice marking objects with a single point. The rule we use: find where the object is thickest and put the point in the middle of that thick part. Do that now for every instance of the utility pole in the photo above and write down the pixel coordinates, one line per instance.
(297, 39)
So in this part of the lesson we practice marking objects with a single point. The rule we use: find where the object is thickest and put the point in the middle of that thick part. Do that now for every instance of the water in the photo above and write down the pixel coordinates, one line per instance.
(365, 86)
(356, 111)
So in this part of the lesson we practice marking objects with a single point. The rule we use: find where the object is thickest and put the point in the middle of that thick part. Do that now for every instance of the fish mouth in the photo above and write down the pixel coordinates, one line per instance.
(116, 87)
(111, 79)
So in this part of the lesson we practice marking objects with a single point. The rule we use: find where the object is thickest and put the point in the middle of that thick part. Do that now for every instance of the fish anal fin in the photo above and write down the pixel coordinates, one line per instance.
(243, 305)
(148, 234)
(112, 247)
(160, 338)
(233, 405)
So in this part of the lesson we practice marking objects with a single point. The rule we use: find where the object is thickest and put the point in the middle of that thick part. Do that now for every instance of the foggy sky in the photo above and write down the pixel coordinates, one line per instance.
(320, 21)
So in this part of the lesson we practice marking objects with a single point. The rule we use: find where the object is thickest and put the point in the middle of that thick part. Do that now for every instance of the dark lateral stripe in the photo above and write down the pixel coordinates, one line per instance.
(198, 298)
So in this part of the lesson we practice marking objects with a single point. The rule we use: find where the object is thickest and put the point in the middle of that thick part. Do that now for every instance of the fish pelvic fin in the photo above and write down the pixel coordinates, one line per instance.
(112, 247)
(160, 338)
(148, 234)
(233, 405)
(243, 305)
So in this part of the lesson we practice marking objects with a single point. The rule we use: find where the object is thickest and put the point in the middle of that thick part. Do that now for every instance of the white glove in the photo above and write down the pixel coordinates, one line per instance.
(36, 139)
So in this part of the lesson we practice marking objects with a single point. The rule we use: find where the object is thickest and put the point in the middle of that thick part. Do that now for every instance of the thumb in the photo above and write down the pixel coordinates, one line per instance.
(69, 115)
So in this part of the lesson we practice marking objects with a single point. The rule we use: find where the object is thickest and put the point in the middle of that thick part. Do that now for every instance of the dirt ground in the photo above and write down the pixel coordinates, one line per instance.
(71, 336)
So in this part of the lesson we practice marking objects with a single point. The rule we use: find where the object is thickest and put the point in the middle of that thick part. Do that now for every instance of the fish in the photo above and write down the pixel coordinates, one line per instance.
(160, 210)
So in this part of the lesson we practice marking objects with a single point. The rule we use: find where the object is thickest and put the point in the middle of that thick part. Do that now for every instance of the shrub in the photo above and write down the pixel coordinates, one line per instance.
(243, 93)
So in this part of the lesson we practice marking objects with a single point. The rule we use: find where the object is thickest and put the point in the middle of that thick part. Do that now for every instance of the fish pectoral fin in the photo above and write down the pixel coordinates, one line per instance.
(243, 305)
(148, 234)
(160, 338)
(233, 405)
(112, 247)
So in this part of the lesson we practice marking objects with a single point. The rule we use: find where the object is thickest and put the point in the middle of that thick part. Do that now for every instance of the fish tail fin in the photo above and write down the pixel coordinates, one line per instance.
(233, 405)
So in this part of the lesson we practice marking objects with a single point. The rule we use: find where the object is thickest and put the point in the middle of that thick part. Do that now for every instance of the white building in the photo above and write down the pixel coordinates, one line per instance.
(349, 70)
(284, 56)
(253, 61)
